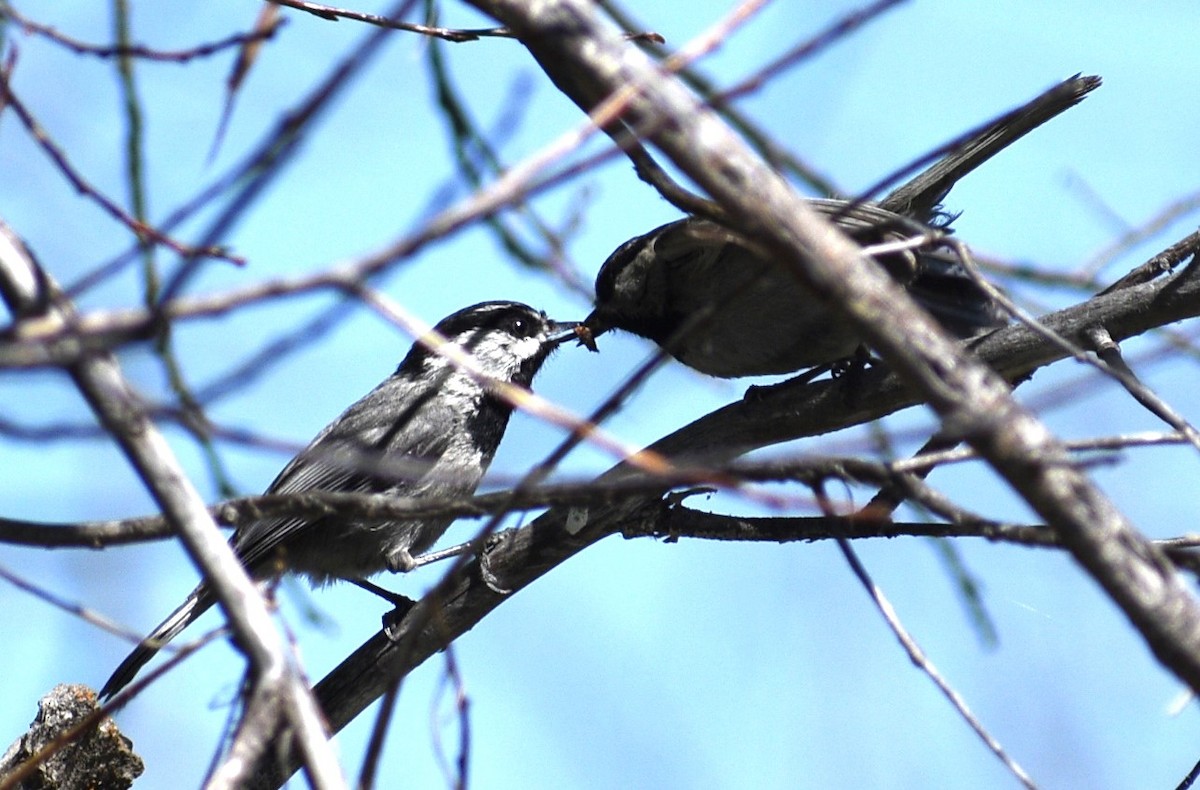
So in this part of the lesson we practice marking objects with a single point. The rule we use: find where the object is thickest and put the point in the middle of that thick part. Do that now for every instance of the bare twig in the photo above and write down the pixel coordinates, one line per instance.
(374, 750)
(1164, 262)
(377, 508)
(918, 656)
(391, 23)
(771, 150)
(452, 681)
(838, 31)
(135, 50)
(142, 230)
(476, 152)
(1133, 236)
(85, 613)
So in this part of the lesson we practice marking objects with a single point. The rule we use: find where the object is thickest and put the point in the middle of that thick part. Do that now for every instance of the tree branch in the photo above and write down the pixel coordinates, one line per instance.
(31, 293)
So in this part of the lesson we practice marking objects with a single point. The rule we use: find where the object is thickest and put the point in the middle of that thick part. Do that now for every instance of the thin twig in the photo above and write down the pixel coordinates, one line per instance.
(1134, 236)
(142, 230)
(456, 774)
(379, 508)
(334, 14)
(915, 654)
(87, 614)
(922, 661)
(1110, 353)
(772, 151)
(474, 152)
(135, 50)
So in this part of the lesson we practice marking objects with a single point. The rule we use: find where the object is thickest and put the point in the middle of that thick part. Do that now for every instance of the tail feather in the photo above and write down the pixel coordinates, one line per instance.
(196, 604)
(919, 198)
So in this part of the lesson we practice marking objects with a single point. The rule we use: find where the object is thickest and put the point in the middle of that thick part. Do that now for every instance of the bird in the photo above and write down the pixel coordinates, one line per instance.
(428, 431)
(709, 297)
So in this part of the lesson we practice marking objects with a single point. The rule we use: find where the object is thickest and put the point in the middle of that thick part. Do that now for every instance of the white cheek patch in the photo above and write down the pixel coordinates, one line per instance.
(528, 347)
(501, 355)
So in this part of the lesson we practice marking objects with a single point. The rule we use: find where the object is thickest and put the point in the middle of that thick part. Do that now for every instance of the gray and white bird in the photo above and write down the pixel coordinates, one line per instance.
(701, 292)
(429, 430)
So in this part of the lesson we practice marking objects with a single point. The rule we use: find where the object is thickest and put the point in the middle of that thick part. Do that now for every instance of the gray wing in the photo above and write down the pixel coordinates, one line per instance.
(383, 443)
(689, 250)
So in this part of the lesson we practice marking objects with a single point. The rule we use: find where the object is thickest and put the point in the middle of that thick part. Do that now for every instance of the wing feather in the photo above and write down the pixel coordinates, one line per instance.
(354, 454)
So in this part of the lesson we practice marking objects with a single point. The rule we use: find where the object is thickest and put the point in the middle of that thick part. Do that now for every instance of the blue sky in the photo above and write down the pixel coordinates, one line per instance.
(637, 663)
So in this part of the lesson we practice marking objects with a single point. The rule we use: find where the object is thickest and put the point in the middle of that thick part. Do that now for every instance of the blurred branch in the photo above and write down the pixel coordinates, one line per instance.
(85, 613)
(279, 145)
(1037, 274)
(1153, 226)
(123, 50)
(267, 22)
(836, 32)
(455, 775)
(1086, 277)
(134, 151)
(142, 230)
(474, 151)
(135, 173)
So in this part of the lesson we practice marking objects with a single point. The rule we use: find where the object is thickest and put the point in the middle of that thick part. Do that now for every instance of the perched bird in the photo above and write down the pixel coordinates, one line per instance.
(696, 288)
(429, 430)
(701, 292)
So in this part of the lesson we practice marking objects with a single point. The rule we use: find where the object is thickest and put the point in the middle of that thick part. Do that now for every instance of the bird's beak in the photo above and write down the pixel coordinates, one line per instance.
(592, 327)
(562, 331)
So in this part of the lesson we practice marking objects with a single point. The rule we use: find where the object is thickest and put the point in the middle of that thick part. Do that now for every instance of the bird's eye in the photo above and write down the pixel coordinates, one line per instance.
(522, 327)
